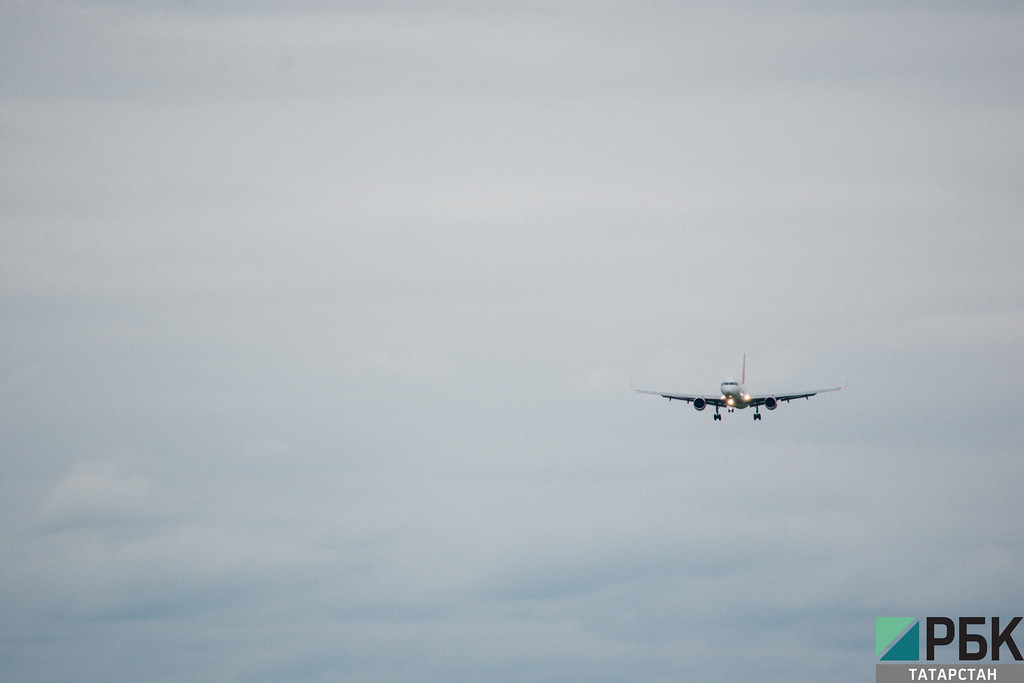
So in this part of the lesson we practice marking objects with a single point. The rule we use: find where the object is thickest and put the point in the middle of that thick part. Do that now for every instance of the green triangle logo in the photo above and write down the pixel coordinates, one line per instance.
(887, 629)
(907, 648)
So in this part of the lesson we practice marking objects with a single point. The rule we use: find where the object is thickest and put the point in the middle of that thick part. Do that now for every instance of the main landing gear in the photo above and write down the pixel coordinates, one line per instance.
(718, 416)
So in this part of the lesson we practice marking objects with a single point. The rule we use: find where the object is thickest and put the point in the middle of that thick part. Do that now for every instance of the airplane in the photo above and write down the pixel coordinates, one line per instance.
(734, 395)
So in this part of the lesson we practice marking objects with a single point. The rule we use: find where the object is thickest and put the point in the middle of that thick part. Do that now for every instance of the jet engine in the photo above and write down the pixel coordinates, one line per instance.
(771, 403)
(699, 403)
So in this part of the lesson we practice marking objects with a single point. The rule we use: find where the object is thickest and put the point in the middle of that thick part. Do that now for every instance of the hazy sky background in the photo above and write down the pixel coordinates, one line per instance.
(319, 320)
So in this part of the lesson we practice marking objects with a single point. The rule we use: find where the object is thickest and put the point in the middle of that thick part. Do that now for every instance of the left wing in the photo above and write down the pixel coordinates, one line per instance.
(689, 398)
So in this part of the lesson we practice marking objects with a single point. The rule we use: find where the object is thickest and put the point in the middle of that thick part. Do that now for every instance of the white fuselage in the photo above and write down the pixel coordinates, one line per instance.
(735, 394)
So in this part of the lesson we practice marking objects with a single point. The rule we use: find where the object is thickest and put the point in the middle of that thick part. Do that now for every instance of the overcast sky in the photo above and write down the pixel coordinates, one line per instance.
(318, 322)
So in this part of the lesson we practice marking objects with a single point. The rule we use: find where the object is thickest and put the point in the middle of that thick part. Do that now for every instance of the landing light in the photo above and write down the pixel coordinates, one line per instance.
(729, 401)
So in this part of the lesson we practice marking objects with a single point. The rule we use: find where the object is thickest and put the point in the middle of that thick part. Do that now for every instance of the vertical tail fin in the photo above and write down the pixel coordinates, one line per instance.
(743, 379)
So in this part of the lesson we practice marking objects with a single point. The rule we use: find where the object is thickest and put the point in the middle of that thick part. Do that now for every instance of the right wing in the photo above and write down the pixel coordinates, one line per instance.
(759, 400)
(689, 398)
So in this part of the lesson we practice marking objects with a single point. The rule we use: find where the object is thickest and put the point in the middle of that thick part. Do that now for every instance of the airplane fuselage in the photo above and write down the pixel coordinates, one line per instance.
(735, 394)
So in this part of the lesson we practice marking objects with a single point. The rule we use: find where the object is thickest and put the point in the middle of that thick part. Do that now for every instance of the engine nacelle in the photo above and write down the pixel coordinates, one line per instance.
(771, 403)
(699, 404)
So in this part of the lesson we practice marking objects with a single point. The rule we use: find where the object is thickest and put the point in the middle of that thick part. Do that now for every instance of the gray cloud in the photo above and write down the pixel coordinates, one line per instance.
(319, 323)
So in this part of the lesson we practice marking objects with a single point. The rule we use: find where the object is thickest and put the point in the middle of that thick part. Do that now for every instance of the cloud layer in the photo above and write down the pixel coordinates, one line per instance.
(319, 325)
